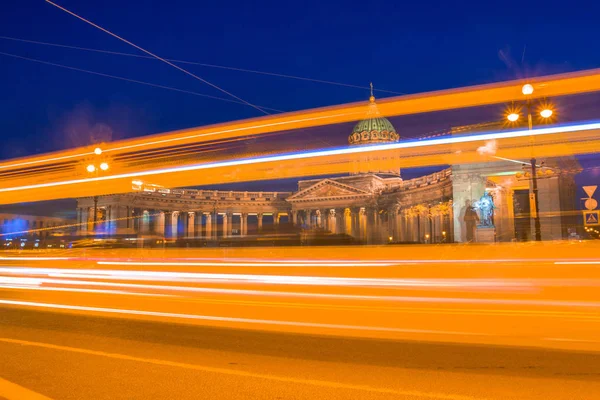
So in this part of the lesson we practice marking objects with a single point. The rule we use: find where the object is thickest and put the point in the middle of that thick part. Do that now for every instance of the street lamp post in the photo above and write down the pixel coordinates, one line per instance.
(534, 187)
(513, 116)
(536, 215)
(93, 170)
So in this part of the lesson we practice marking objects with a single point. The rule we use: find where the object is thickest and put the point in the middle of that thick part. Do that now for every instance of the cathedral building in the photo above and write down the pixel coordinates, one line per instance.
(370, 205)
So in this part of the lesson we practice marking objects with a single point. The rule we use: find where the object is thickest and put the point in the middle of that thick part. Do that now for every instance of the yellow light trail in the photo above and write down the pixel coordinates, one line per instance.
(549, 86)
(430, 152)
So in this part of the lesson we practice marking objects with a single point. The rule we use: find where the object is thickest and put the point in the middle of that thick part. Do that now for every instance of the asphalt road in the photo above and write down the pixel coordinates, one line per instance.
(69, 356)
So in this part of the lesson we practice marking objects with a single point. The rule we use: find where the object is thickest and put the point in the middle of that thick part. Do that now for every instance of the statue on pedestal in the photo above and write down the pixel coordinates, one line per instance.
(486, 207)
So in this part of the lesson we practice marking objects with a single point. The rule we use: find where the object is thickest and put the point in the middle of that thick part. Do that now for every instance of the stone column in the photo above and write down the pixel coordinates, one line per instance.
(354, 222)
(307, 219)
(183, 218)
(371, 231)
(362, 223)
(244, 224)
(259, 218)
(209, 228)
(331, 225)
(346, 221)
(227, 224)
(276, 220)
(121, 216)
(294, 218)
(159, 226)
(145, 222)
(215, 225)
(339, 221)
(191, 224)
(84, 220)
(318, 218)
(198, 224)
(174, 225)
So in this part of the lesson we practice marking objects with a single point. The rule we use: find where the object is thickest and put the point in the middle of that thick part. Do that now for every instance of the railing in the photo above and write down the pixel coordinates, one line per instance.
(428, 179)
(213, 194)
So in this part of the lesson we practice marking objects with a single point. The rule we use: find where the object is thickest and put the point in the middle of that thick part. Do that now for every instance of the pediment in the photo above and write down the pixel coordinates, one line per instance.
(327, 189)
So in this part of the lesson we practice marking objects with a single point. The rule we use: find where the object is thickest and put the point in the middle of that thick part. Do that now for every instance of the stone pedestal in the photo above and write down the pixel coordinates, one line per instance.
(485, 234)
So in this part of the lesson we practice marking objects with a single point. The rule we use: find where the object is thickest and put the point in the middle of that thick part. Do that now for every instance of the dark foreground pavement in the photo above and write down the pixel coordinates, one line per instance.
(64, 356)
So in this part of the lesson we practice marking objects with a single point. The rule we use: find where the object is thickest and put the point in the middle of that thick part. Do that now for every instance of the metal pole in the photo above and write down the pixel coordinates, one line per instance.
(536, 214)
(95, 211)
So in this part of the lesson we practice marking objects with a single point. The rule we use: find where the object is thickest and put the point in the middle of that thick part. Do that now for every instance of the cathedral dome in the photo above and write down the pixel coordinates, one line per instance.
(373, 129)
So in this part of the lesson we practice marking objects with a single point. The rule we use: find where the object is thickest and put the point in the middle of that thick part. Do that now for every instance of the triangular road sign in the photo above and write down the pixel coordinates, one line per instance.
(589, 190)
(591, 218)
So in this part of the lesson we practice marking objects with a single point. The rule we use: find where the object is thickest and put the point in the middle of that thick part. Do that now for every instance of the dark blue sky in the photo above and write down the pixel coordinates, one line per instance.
(401, 46)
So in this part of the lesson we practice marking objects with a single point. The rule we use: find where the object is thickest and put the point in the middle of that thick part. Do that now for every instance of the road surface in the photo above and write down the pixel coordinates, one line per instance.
(410, 322)
(63, 356)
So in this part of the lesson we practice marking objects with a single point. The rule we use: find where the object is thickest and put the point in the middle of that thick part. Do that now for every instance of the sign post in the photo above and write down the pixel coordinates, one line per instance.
(591, 216)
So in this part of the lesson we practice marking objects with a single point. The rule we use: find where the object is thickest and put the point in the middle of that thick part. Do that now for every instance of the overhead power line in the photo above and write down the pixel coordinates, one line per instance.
(128, 79)
(155, 56)
(118, 53)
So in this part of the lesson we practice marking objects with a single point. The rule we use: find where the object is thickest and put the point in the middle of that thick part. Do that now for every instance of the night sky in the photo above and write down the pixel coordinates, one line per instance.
(406, 47)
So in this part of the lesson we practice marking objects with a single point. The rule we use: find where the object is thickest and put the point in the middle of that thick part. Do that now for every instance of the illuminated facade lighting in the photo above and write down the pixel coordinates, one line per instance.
(546, 113)
(513, 117)
(90, 168)
(104, 166)
(98, 150)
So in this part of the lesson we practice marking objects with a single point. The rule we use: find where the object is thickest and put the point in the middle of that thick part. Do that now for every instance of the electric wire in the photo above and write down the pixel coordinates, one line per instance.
(155, 56)
(202, 65)
(128, 79)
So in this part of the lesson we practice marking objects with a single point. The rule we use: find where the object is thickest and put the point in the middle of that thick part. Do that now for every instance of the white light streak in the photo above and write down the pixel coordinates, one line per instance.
(323, 263)
(322, 153)
(197, 277)
(126, 287)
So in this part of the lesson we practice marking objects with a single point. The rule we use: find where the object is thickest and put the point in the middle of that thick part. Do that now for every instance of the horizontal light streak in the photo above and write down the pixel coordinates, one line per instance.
(322, 153)
(231, 319)
(33, 258)
(51, 159)
(577, 262)
(250, 264)
(495, 93)
(75, 290)
(196, 277)
(129, 288)
(259, 262)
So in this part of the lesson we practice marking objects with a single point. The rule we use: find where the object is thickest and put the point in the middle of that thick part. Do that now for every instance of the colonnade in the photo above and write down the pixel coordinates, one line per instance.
(374, 225)
(370, 224)
(177, 224)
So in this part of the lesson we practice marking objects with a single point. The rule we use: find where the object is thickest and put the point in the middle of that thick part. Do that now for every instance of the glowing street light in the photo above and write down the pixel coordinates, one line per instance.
(90, 168)
(527, 89)
(546, 113)
(98, 150)
(104, 166)
(513, 117)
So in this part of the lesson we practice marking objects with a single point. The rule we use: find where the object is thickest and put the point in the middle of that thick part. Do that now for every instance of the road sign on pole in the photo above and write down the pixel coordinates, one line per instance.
(589, 190)
(591, 218)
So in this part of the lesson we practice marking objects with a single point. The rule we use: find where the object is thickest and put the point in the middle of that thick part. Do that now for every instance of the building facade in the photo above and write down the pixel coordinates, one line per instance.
(373, 207)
